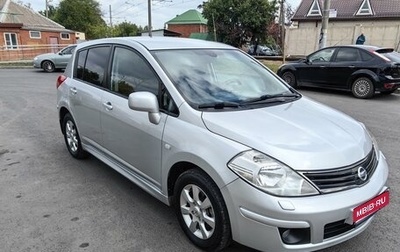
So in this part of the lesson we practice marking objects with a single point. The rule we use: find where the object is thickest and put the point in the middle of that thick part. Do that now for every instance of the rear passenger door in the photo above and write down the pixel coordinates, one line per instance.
(347, 61)
(127, 134)
(86, 90)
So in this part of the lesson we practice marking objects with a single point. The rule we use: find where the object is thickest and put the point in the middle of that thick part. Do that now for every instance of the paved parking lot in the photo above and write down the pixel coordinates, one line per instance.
(52, 202)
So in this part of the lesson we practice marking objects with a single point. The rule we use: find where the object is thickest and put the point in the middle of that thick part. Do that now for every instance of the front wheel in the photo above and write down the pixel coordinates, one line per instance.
(290, 79)
(48, 66)
(363, 88)
(71, 137)
(201, 210)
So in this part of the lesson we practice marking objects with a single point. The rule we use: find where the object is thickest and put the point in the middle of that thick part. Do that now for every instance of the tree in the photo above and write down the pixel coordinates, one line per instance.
(81, 15)
(237, 21)
(126, 29)
(51, 12)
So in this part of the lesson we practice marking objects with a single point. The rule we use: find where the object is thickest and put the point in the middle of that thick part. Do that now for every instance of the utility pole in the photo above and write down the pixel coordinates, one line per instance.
(324, 26)
(47, 7)
(111, 24)
(149, 16)
(282, 28)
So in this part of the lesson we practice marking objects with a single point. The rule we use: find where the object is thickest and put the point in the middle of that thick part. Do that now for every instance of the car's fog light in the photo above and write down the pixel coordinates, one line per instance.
(294, 236)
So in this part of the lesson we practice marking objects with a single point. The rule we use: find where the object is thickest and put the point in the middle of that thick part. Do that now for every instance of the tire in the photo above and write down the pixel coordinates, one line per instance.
(363, 88)
(290, 79)
(71, 137)
(48, 66)
(201, 211)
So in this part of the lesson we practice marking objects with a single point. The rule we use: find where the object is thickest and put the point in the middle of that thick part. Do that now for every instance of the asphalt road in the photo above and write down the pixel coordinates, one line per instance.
(52, 202)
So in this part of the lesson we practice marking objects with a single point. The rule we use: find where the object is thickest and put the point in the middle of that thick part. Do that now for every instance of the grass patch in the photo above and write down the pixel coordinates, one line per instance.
(273, 65)
(17, 64)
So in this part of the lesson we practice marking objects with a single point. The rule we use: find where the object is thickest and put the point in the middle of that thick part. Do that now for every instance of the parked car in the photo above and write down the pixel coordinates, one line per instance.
(50, 62)
(237, 152)
(261, 51)
(360, 69)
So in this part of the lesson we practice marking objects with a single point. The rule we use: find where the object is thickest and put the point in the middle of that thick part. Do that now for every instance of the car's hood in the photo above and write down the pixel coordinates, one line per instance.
(46, 55)
(303, 134)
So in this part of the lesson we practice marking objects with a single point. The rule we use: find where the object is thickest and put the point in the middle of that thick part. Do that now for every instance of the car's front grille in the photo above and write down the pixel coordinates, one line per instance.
(336, 228)
(343, 178)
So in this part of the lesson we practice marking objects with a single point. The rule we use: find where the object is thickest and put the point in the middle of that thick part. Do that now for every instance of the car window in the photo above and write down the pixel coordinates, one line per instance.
(80, 66)
(347, 54)
(322, 56)
(366, 56)
(68, 50)
(92, 64)
(131, 73)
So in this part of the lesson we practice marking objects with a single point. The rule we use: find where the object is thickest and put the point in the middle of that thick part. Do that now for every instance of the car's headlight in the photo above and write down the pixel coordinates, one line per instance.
(36, 58)
(270, 175)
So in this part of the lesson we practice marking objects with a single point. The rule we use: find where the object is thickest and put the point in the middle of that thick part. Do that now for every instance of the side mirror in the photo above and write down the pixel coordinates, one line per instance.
(146, 102)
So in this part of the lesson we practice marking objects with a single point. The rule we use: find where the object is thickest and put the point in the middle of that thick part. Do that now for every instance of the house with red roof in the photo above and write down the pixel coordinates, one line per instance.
(23, 32)
(378, 20)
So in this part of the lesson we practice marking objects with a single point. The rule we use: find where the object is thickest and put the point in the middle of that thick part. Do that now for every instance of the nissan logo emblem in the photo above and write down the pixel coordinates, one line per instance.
(362, 173)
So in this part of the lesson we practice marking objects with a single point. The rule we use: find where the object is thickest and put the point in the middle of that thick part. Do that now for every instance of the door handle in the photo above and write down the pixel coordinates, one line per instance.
(73, 90)
(352, 66)
(108, 106)
(322, 66)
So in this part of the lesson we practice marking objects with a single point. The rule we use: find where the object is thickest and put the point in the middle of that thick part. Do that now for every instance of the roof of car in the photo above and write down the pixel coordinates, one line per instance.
(159, 43)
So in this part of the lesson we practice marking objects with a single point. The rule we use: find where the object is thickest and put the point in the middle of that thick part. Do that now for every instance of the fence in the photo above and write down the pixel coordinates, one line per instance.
(27, 52)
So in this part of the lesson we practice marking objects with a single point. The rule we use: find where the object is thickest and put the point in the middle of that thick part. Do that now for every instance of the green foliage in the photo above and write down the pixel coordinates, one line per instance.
(51, 11)
(237, 21)
(126, 29)
(81, 15)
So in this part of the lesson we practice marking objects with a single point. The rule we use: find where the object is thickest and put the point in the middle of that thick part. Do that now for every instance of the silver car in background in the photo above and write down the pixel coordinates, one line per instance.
(236, 152)
(51, 62)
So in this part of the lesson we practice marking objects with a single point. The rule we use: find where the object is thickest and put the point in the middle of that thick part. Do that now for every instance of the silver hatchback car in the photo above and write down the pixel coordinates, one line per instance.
(207, 129)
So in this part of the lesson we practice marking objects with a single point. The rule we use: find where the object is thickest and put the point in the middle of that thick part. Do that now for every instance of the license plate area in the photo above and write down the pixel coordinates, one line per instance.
(370, 207)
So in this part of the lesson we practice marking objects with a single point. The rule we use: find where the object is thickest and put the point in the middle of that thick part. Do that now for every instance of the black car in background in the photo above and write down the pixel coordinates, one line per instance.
(361, 69)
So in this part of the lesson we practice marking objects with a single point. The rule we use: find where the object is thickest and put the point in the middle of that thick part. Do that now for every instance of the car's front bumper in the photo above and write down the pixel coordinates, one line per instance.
(37, 64)
(258, 219)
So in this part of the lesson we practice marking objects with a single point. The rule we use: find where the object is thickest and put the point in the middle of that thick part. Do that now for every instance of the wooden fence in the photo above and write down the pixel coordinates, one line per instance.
(27, 52)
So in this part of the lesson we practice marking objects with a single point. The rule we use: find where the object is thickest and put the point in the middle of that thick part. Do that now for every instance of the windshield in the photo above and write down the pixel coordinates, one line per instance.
(207, 76)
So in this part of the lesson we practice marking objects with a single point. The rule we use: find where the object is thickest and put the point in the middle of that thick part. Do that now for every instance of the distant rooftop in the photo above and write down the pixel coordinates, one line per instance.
(349, 9)
(13, 13)
(188, 17)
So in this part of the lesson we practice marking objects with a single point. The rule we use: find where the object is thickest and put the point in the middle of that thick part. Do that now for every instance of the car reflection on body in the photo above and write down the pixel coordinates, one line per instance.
(50, 62)
(361, 69)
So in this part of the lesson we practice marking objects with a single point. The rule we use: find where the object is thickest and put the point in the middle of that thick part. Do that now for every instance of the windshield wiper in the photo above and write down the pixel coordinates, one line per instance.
(272, 98)
(219, 105)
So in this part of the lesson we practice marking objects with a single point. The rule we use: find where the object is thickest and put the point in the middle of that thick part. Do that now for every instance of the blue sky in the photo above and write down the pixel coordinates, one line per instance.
(135, 11)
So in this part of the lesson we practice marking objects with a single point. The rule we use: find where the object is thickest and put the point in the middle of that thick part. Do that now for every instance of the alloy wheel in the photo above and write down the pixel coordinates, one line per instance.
(197, 211)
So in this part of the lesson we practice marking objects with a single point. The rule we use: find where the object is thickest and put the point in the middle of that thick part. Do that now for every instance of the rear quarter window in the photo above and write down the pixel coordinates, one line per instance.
(366, 56)
(92, 65)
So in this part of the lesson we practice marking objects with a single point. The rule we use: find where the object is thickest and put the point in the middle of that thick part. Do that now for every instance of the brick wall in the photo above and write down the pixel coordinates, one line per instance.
(30, 47)
(187, 29)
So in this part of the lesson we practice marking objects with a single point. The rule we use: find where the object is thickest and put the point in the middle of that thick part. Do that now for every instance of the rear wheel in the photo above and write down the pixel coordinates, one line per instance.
(71, 137)
(363, 88)
(201, 210)
(290, 79)
(48, 66)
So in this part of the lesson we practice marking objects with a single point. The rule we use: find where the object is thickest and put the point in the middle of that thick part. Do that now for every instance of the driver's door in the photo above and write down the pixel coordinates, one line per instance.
(314, 70)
